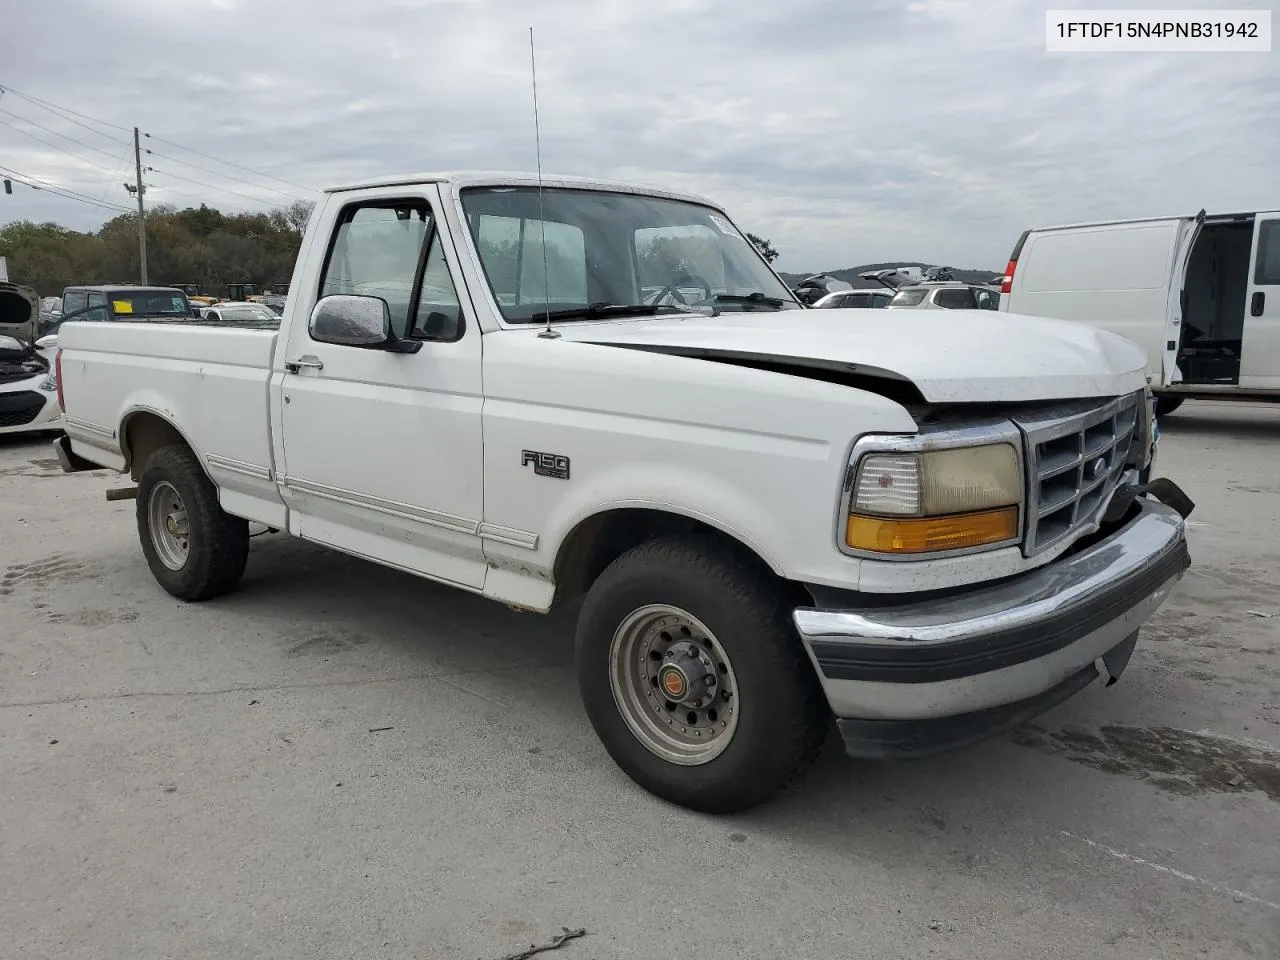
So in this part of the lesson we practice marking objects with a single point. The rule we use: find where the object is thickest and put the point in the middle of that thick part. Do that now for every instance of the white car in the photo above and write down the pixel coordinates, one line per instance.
(933, 289)
(945, 295)
(28, 387)
(237, 311)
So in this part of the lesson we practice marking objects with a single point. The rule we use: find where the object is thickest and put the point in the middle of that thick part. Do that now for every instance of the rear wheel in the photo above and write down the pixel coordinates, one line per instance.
(693, 676)
(195, 549)
(1166, 405)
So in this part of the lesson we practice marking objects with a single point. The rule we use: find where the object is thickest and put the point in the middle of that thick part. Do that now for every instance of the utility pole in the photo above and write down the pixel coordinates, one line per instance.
(139, 189)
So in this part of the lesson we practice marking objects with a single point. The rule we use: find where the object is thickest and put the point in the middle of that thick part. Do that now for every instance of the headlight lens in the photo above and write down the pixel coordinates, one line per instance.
(935, 500)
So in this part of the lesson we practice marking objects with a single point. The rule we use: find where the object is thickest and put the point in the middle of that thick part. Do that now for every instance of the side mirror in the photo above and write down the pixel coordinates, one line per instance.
(349, 320)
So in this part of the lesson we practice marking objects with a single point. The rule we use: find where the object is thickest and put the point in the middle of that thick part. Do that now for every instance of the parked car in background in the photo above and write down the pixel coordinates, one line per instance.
(125, 302)
(274, 302)
(1200, 294)
(858, 299)
(28, 389)
(239, 312)
(50, 312)
(812, 289)
(933, 289)
(945, 295)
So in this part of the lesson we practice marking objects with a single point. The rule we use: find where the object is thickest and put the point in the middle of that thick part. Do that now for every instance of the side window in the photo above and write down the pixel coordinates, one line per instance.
(73, 300)
(954, 298)
(1267, 272)
(97, 299)
(376, 251)
(439, 314)
(986, 300)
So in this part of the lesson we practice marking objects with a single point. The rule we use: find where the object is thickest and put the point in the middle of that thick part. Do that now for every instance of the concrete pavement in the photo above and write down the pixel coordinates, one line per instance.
(340, 760)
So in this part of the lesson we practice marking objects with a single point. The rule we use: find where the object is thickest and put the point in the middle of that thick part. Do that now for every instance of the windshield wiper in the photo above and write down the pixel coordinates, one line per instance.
(605, 309)
(757, 297)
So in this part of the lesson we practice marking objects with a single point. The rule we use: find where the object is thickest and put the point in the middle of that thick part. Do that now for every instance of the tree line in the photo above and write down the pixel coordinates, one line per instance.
(203, 246)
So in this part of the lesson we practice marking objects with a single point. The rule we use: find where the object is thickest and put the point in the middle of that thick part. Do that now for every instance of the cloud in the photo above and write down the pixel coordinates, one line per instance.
(935, 129)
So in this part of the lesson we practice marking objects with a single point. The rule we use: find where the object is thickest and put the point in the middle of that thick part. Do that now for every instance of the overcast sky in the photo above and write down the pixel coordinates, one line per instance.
(847, 132)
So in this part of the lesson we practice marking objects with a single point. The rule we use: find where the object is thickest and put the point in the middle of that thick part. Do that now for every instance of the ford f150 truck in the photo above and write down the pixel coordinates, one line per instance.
(930, 528)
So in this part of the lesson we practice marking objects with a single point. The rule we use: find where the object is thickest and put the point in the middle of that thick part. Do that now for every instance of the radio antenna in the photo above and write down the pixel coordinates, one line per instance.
(547, 332)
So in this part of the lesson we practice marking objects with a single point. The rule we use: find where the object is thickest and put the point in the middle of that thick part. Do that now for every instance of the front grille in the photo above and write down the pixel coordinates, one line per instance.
(1075, 456)
(19, 409)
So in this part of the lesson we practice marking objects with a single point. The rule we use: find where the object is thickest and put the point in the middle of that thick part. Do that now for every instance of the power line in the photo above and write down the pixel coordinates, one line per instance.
(38, 126)
(55, 108)
(218, 173)
(256, 173)
(28, 133)
(210, 186)
(64, 111)
(37, 184)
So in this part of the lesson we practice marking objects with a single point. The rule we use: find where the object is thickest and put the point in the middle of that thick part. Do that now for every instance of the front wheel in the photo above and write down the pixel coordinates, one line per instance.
(195, 550)
(694, 679)
(1166, 405)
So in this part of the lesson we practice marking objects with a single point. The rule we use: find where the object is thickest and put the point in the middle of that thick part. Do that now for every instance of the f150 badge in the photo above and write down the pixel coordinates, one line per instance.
(546, 464)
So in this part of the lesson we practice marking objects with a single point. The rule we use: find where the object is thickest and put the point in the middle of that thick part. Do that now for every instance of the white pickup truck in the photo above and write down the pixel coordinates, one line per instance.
(929, 525)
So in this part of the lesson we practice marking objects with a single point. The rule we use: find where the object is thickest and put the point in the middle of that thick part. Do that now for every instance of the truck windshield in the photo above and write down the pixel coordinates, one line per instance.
(613, 249)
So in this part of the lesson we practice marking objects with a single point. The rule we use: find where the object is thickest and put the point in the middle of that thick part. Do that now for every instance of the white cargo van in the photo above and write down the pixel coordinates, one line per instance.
(1200, 294)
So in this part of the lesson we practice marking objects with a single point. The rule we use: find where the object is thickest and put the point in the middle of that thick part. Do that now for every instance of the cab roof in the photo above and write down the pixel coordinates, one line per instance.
(519, 179)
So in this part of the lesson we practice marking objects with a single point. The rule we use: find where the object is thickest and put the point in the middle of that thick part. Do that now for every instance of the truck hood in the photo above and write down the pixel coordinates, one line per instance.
(950, 356)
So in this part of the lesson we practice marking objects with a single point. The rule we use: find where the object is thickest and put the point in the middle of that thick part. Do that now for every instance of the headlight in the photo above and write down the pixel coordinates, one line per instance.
(935, 500)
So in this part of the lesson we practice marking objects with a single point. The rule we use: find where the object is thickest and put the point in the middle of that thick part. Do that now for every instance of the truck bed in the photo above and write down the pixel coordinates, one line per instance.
(209, 380)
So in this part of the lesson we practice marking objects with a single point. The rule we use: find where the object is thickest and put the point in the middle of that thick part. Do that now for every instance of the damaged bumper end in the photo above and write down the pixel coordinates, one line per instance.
(932, 675)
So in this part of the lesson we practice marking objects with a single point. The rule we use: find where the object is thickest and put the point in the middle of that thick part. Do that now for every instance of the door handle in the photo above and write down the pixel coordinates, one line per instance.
(1257, 303)
(295, 366)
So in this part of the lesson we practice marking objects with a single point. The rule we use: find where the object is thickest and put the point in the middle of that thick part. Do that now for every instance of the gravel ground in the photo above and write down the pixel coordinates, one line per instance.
(342, 761)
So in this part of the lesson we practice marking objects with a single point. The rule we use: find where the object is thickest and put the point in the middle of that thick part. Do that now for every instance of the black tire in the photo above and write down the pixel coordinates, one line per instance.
(219, 542)
(1166, 405)
(784, 716)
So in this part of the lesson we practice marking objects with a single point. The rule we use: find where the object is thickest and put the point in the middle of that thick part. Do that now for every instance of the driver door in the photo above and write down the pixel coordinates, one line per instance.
(382, 450)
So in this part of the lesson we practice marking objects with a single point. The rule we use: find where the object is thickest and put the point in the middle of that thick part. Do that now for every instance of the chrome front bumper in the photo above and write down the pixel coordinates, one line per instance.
(986, 659)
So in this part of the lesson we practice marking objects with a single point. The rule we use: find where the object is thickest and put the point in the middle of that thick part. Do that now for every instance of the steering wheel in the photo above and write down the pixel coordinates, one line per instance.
(686, 280)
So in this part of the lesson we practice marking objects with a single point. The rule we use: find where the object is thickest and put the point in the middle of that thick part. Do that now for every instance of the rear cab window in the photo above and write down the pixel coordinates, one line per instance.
(147, 303)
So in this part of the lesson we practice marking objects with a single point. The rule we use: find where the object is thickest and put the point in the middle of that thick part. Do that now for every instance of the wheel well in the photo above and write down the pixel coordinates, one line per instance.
(144, 434)
(600, 539)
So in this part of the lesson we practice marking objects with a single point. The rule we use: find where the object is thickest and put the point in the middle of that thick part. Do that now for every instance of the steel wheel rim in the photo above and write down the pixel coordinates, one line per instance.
(169, 525)
(686, 732)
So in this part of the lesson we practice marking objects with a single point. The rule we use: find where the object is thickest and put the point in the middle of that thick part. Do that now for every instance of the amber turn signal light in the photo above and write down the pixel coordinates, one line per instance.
(931, 534)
